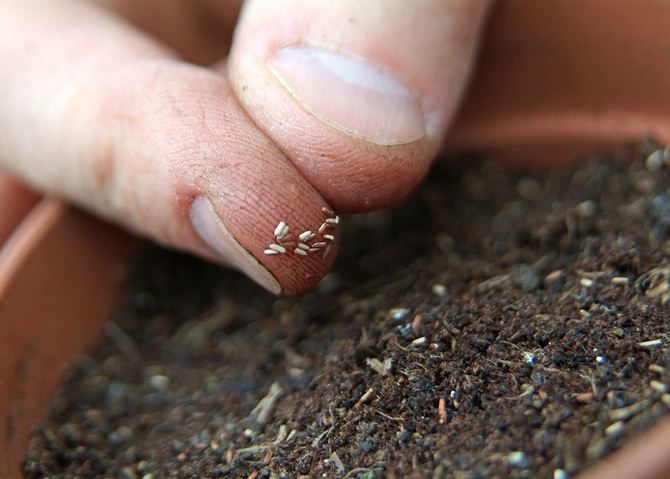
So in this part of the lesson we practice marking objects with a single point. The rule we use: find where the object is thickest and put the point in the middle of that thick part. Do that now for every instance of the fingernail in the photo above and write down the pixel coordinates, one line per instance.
(350, 94)
(214, 233)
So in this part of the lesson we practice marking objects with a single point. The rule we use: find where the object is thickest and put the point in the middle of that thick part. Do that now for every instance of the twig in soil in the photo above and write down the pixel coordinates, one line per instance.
(364, 398)
(321, 437)
(442, 411)
(384, 415)
(326, 433)
(359, 470)
(652, 343)
(261, 414)
(251, 450)
(123, 342)
(493, 283)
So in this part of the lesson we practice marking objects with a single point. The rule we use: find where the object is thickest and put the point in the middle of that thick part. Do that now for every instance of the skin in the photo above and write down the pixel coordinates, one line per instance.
(134, 109)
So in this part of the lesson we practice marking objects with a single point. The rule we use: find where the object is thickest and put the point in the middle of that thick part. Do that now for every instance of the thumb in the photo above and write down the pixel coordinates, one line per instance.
(357, 94)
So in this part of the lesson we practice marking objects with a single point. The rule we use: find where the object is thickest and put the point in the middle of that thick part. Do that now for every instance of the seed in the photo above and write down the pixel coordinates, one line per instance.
(300, 252)
(270, 251)
(278, 248)
(306, 235)
(327, 211)
(619, 280)
(329, 237)
(320, 244)
(326, 251)
(332, 221)
(303, 246)
(323, 227)
(313, 250)
(281, 229)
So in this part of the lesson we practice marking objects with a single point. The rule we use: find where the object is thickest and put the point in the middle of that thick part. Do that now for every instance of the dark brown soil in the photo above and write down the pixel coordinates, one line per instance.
(497, 324)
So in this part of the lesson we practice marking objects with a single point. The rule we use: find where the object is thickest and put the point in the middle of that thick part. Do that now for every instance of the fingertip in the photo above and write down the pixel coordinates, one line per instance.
(285, 260)
(358, 97)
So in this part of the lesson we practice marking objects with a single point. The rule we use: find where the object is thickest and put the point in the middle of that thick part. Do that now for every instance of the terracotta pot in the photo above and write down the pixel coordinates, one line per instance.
(59, 273)
(561, 77)
(555, 78)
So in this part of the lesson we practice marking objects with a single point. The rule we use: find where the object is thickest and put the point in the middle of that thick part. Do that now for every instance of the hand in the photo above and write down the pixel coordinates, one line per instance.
(319, 107)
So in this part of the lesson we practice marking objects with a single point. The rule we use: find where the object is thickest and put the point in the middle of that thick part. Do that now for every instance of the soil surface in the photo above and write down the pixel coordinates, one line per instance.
(496, 324)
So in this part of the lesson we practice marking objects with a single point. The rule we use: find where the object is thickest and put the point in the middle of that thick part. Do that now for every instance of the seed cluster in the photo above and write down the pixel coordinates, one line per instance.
(307, 242)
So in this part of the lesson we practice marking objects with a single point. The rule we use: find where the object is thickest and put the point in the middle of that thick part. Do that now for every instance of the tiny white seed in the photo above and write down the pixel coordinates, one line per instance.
(278, 248)
(303, 246)
(281, 229)
(270, 251)
(327, 211)
(320, 244)
(300, 252)
(313, 250)
(332, 221)
(306, 235)
(323, 227)
(329, 237)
